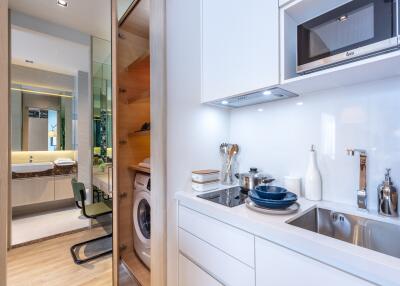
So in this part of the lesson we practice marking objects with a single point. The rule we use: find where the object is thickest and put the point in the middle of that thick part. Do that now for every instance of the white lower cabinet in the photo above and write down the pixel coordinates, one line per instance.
(32, 191)
(192, 275)
(223, 266)
(279, 266)
(63, 188)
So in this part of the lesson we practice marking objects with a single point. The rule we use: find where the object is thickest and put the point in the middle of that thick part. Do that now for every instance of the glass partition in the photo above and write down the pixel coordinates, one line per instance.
(102, 101)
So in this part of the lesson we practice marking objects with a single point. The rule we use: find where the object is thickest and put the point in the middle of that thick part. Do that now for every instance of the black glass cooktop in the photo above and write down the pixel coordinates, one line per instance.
(231, 197)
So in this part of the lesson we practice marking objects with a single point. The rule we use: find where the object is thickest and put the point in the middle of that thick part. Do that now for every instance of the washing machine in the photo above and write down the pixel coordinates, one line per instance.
(141, 217)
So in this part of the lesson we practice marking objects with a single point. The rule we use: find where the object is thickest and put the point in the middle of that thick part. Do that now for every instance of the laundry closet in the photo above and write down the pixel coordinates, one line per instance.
(133, 141)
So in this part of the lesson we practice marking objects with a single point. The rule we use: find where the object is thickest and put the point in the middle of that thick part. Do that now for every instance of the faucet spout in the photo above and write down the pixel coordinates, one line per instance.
(362, 190)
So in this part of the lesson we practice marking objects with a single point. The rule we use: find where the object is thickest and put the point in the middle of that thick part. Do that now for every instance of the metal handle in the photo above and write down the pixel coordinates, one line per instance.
(109, 182)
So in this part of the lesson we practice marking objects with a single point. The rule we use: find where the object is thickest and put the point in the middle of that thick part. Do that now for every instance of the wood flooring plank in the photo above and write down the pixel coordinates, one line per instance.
(49, 263)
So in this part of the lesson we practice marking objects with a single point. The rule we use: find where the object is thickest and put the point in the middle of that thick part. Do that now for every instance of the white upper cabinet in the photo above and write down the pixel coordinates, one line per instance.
(240, 47)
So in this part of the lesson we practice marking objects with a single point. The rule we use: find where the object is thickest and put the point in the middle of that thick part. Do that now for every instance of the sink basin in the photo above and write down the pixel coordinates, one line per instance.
(372, 234)
(32, 167)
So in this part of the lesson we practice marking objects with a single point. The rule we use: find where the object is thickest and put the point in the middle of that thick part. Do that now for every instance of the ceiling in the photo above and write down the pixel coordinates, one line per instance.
(48, 53)
(92, 17)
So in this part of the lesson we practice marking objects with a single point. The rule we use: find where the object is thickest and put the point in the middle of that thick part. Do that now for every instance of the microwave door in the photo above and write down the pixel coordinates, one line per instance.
(358, 28)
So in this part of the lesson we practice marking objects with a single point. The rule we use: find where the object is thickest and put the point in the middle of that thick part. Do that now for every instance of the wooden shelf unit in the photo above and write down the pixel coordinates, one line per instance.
(138, 168)
(133, 109)
(139, 133)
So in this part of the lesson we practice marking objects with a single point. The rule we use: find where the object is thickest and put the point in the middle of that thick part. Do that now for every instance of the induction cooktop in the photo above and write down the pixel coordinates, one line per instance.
(231, 197)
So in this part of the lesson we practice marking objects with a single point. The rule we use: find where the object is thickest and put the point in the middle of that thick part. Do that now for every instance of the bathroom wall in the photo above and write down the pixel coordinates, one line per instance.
(276, 137)
(41, 156)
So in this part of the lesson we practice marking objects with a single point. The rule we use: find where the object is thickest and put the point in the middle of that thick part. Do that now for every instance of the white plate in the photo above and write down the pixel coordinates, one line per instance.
(292, 209)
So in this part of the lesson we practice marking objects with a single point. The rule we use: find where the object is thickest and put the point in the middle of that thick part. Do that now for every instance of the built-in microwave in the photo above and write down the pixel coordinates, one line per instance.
(357, 29)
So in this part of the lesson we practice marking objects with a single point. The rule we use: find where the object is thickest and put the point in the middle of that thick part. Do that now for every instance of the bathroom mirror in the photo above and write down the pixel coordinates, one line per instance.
(41, 118)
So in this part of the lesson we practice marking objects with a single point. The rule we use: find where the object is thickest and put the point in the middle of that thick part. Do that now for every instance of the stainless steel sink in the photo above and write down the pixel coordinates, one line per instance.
(372, 234)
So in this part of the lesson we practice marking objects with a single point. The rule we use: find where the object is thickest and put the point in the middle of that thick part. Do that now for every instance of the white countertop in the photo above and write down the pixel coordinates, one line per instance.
(367, 264)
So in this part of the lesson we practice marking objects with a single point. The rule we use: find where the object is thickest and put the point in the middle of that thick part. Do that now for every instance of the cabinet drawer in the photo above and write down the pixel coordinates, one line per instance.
(192, 275)
(32, 191)
(63, 188)
(274, 262)
(231, 240)
(220, 265)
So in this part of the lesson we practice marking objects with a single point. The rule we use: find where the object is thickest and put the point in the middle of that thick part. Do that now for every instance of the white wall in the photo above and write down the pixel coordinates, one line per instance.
(84, 128)
(194, 131)
(365, 116)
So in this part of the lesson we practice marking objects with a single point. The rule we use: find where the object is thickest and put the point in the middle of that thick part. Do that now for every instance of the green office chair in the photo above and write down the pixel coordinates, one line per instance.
(91, 211)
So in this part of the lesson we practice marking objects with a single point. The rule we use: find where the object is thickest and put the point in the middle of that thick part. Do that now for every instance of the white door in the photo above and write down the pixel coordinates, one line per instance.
(240, 47)
(276, 265)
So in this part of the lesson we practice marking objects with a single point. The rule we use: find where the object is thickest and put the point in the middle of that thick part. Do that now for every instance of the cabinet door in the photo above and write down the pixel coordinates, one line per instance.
(276, 265)
(32, 191)
(63, 188)
(192, 275)
(240, 47)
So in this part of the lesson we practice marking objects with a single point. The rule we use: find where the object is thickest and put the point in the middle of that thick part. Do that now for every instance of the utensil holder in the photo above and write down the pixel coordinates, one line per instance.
(229, 169)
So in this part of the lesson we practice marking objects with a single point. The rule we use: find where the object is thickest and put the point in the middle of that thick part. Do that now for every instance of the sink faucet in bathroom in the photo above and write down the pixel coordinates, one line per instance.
(362, 190)
(30, 159)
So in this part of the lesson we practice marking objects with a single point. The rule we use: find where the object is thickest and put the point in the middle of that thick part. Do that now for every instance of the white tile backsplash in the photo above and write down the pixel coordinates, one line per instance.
(276, 136)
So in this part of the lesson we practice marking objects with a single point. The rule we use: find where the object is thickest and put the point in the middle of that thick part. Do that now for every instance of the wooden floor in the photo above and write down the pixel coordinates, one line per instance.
(137, 268)
(49, 263)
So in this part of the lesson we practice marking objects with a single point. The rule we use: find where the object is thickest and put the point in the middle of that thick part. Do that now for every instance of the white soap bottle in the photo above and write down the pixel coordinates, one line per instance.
(313, 181)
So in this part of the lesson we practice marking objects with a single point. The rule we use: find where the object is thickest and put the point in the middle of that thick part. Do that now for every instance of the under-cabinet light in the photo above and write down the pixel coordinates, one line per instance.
(41, 92)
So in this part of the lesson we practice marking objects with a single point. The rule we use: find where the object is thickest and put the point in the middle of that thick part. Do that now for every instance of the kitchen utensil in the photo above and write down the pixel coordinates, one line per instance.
(253, 206)
(223, 148)
(232, 152)
(284, 203)
(228, 153)
(253, 178)
(270, 192)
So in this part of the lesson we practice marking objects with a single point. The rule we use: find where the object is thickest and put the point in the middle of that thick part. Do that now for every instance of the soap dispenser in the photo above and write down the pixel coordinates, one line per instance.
(387, 197)
(313, 180)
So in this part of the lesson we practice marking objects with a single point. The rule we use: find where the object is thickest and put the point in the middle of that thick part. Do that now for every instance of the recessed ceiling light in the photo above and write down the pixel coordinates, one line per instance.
(224, 102)
(260, 110)
(62, 3)
(267, 92)
(300, 103)
(343, 18)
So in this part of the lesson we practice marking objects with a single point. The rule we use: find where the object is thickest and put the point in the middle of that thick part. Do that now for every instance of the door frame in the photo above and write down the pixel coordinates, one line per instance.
(158, 110)
(158, 143)
(5, 175)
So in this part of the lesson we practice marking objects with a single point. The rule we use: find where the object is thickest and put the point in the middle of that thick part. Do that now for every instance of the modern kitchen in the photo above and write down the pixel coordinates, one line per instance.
(210, 143)
(292, 171)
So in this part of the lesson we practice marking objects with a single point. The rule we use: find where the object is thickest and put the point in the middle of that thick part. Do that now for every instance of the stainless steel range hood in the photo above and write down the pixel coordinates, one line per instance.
(261, 96)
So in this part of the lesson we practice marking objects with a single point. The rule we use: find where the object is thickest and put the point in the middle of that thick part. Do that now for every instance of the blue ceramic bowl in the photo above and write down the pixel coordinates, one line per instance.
(270, 192)
(284, 203)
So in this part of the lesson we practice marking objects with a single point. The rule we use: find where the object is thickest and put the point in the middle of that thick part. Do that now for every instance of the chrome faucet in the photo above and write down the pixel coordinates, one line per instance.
(362, 190)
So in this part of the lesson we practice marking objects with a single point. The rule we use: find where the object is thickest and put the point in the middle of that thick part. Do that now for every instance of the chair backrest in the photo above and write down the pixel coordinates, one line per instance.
(79, 190)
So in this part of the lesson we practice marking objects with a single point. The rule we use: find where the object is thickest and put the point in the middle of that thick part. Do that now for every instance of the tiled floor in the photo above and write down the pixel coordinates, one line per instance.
(44, 225)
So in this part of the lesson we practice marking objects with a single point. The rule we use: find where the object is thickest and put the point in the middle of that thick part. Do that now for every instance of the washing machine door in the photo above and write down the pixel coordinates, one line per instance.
(141, 217)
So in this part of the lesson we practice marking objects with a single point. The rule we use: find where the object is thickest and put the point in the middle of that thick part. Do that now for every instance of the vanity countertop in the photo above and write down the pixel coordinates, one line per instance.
(367, 264)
